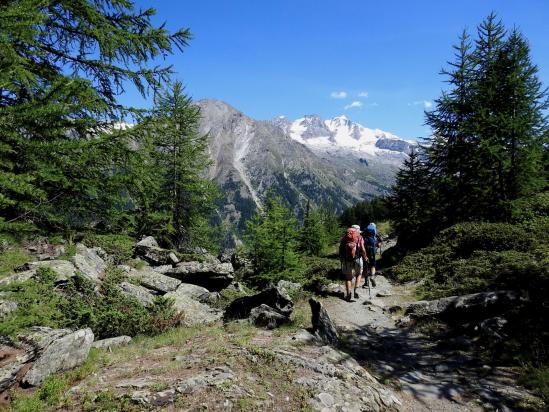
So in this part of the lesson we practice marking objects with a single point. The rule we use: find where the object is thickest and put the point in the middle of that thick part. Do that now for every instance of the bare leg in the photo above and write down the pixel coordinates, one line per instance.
(357, 281)
(348, 285)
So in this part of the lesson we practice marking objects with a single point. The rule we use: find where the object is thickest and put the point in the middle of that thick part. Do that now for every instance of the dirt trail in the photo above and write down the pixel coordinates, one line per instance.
(429, 374)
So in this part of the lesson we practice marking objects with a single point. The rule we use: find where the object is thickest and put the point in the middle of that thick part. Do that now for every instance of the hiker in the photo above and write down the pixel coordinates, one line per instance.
(372, 242)
(351, 253)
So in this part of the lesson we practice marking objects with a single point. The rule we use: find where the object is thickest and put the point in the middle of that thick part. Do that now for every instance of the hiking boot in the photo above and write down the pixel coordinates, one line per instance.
(348, 298)
(373, 283)
(356, 295)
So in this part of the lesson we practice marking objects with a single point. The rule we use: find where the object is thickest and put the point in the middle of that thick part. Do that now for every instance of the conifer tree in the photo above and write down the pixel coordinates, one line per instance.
(270, 238)
(179, 199)
(312, 235)
(63, 66)
(411, 201)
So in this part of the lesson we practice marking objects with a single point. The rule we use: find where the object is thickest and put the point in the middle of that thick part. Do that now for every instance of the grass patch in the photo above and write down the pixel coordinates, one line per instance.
(537, 379)
(10, 259)
(120, 247)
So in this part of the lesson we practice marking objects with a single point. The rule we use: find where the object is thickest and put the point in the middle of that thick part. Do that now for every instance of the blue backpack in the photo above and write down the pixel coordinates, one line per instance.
(372, 229)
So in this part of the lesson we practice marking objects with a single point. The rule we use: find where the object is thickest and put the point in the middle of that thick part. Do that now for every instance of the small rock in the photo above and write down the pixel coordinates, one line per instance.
(7, 307)
(173, 258)
(148, 241)
(383, 294)
(111, 342)
(326, 399)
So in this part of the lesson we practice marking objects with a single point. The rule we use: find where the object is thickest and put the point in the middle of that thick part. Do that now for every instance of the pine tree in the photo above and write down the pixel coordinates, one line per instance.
(179, 200)
(312, 235)
(451, 152)
(63, 65)
(411, 201)
(270, 238)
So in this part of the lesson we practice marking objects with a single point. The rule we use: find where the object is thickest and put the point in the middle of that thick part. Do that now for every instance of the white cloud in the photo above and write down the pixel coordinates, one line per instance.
(355, 104)
(338, 95)
(363, 94)
(374, 104)
(427, 104)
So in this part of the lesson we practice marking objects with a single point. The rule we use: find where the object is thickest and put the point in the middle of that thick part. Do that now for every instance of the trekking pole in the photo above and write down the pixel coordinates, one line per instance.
(369, 290)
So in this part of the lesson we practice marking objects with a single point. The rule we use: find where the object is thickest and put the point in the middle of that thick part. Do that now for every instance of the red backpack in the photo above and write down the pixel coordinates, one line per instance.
(348, 246)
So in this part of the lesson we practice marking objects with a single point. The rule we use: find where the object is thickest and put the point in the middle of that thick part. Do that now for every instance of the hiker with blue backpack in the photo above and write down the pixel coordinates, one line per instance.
(351, 254)
(372, 242)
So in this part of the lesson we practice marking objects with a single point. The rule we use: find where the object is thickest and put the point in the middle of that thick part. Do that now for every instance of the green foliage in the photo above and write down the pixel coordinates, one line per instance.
(365, 212)
(489, 142)
(537, 379)
(106, 311)
(313, 236)
(38, 304)
(473, 257)
(64, 64)
(270, 241)
(10, 259)
(120, 247)
(177, 200)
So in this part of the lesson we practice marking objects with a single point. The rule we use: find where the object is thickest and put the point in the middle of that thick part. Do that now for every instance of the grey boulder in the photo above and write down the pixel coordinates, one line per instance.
(139, 293)
(274, 297)
(154, 280)
(194, 312)
(214, 276)
(90, 262)
(111, 342)
(63, 268)
(466, 307)
(149, 250)
(6, 307)
(264, 315)
(56, 350)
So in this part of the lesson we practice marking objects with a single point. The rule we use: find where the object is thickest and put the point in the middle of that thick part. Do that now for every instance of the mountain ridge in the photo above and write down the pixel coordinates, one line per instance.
(252, 157)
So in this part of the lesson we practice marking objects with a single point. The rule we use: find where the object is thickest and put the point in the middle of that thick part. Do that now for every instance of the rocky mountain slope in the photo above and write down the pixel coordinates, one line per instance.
(333, 163)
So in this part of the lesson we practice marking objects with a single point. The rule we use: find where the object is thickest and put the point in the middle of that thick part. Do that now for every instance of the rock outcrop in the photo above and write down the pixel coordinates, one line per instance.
(323, 326)
(52, 350)
(187, 301)
(275, 297)
(214, 276)
(90, 262)
(149, 250)
(464, 308)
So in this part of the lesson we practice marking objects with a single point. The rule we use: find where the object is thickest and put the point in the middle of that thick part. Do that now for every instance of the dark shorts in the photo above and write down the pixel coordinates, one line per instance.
(371, 260)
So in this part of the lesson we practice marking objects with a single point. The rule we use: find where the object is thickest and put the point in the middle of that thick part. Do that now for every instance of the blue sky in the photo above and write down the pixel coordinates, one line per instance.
(282, 57)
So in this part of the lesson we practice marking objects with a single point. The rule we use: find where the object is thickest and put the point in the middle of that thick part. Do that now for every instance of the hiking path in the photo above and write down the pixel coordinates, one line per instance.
(428, 373)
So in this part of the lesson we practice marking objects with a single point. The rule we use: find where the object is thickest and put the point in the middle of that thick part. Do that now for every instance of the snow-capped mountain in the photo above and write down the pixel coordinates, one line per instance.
(340, 134)
(334, 163)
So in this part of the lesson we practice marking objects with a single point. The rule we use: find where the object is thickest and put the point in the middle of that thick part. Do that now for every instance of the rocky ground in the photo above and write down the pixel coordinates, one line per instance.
(271, 350)
(429, 372)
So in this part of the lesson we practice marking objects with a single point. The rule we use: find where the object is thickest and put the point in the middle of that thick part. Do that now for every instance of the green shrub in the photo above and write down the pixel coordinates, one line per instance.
(107, 311)
(38, 303)
(466, 238)
(120, 247)
(537, 379)
(532, 207)
(10, 259)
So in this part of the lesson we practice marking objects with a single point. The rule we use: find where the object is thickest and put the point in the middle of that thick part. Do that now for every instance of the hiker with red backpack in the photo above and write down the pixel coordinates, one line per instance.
(351, 253)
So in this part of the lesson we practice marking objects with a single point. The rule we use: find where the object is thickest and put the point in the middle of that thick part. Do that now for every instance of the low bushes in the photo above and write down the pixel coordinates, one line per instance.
(106, 311)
